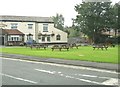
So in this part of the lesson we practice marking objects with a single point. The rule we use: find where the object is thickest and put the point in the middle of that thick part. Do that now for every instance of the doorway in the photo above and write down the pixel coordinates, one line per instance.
(1, 40)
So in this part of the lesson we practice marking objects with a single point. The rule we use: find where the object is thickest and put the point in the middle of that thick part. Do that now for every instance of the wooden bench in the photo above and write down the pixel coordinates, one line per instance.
(73, 45)
(60, 47)
(56, 47)
(100, 47)
(38, 46)
(65, 47)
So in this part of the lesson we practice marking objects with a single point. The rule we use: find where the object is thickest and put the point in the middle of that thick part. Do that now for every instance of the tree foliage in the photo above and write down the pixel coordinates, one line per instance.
(58, 21)
(94, 17)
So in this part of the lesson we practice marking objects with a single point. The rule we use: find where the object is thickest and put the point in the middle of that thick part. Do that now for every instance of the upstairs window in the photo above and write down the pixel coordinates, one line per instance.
(30, 26)
(14, 25)
(45, 27)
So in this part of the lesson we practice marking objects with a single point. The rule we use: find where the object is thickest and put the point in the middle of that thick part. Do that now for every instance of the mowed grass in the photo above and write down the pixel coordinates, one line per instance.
(85, 53)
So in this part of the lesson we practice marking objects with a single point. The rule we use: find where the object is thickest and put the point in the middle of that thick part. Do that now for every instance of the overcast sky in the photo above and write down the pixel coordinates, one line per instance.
(44, 8)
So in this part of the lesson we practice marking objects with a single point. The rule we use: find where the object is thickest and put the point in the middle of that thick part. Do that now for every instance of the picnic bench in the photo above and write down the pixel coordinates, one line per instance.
(100, 47)
(60, 47)
(38, 46)
(73, 45)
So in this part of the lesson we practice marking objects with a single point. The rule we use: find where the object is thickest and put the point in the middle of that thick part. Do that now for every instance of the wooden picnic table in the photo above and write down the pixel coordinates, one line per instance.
(73, 45)
(38, 46)
(100, 47)
(60, 47)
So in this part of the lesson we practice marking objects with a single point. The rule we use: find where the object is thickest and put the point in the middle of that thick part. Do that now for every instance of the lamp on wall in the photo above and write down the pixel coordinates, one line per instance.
(52, 34)
(45, 34)
(39, 36)
(29, 34)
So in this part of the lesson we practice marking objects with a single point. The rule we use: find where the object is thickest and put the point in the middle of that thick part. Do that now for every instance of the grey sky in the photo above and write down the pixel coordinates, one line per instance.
(45, 8)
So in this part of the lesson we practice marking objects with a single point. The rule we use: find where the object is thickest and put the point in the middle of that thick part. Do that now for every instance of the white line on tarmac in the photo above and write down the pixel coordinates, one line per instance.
(111, 81)
(92, 76)
(89, 81)
(46, 71)
(67, 76)
(62, 65)
(17, 78)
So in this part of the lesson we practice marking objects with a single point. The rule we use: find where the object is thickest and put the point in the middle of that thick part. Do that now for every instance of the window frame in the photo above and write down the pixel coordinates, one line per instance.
(30, 26)
(14, 25)
(42, 39)
(58, 37)
(49, 38)
(45, 27)
(14, 38)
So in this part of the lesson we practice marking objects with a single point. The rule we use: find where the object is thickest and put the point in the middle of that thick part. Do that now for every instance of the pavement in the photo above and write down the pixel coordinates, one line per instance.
(108, 66)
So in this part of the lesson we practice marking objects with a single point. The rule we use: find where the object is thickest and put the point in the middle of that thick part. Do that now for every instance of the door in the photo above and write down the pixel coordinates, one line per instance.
(1, 40)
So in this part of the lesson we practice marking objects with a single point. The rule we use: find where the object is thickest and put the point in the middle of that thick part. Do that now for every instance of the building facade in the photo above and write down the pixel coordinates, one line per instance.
(39, 29)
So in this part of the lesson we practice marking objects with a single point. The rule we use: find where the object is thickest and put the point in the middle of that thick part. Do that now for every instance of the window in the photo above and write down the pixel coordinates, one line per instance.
(30, 26)
(48, 38)
(43, 38)
(14, 38)
(45, 27)
(14, 25)
(58, 37)
(29, 37)
(9, 38)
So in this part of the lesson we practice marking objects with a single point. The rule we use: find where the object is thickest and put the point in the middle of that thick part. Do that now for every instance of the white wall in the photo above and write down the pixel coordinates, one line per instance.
(38, 27)
(23, 27)
(56, 31)
(62, 34)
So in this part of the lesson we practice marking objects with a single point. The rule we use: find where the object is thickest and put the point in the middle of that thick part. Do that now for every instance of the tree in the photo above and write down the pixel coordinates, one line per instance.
(94, 17)
(58, 21)
(114, 18)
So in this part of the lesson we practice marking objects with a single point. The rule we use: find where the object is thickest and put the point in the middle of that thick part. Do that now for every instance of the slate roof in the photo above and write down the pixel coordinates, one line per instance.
(12, 32)
(25, 18)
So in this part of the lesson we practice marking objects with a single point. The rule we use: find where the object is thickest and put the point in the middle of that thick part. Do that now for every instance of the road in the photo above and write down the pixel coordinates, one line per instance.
(24, 72)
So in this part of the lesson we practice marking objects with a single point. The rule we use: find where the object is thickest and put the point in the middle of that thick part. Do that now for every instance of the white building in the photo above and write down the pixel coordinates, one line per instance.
(40, 29)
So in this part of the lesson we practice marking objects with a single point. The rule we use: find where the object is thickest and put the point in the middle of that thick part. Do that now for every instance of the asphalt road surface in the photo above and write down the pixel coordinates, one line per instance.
(24, 72)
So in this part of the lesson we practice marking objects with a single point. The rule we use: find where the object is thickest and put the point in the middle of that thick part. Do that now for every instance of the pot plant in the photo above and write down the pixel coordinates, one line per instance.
(52, 34)
(39, 35)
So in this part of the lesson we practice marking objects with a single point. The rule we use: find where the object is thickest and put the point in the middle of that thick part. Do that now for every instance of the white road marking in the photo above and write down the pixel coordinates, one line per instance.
(17, 78)
(89, 81)
(67, 76)
(46, 71)
(87, 75)
(92, 76)
(61, 75)
(59, 72)
(62, 65)
(111, 81)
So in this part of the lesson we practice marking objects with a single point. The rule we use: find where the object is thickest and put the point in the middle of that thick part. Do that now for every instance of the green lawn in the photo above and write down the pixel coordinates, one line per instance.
(83, 53)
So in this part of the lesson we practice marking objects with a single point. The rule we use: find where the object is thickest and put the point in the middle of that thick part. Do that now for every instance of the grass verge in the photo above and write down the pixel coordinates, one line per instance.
(85, 53)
